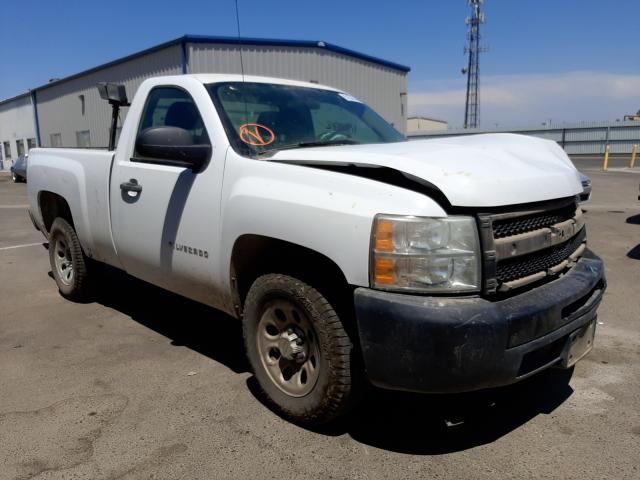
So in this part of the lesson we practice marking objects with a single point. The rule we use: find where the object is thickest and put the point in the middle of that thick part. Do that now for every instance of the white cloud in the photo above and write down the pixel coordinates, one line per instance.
(531, 99)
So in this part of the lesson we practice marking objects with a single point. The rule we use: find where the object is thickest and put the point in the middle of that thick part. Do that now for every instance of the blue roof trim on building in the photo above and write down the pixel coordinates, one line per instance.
(15, 97)
(118, 61)
(224, 40)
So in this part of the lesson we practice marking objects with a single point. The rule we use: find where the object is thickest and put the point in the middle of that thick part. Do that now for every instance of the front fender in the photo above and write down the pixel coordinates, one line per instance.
(328, 212)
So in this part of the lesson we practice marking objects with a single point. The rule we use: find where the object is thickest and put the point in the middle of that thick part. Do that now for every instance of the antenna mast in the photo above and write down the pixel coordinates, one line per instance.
(472, 107)
(239, 39)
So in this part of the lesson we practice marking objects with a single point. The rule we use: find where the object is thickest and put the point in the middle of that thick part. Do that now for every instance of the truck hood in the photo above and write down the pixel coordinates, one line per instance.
(471, 171)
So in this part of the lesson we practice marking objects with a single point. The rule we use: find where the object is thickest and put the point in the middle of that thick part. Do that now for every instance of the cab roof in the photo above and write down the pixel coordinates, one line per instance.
(207, 78)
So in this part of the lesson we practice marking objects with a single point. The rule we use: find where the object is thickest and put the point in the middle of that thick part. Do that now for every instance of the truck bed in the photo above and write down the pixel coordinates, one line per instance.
(82, 177)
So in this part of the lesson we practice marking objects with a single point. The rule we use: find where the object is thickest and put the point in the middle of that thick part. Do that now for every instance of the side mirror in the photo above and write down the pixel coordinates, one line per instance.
(173, 146)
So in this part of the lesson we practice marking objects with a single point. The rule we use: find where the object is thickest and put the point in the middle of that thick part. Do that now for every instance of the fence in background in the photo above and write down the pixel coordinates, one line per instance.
(576, 139)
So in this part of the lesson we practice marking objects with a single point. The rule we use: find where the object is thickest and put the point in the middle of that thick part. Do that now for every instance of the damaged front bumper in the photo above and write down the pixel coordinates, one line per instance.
(456, 344)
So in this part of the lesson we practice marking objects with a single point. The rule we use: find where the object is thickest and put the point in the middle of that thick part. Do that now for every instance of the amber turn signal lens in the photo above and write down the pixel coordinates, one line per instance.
(385, 271)
(384, 236)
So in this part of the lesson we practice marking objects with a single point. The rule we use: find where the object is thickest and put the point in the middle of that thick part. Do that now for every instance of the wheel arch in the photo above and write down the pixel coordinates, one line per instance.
(52, 206)
(255, 255)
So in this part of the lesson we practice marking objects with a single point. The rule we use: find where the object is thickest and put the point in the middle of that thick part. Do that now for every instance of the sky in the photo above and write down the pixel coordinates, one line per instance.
(547, 61)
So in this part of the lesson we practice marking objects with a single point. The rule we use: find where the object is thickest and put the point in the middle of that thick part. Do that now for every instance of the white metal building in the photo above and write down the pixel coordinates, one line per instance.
(17, 127)
(418, 124)
(69, 112)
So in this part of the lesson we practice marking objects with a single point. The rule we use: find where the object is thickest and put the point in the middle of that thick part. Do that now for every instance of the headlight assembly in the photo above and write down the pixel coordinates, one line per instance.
(425, 254)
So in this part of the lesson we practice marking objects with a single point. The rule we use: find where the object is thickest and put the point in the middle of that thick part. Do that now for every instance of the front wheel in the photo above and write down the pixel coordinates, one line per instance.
(68, 263)
(299, 350)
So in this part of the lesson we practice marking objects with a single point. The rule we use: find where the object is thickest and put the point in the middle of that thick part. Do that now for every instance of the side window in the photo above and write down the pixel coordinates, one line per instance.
(173, 107)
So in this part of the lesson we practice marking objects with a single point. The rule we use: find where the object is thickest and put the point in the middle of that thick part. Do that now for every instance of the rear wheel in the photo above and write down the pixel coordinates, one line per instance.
(299, 350)
(68, 263)
(14, 177)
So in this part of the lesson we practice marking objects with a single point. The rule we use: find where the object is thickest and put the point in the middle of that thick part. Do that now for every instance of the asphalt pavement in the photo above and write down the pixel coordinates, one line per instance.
(145, 384)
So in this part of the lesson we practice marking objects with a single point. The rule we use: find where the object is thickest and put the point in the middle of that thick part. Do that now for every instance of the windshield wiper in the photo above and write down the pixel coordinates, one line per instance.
(319, 143)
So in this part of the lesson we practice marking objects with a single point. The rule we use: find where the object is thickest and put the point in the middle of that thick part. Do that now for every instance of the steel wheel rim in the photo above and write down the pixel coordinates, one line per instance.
(63, 262)
(281, 321)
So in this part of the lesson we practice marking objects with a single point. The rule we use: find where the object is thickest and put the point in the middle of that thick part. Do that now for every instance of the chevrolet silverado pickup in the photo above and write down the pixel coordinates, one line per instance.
(350, 255)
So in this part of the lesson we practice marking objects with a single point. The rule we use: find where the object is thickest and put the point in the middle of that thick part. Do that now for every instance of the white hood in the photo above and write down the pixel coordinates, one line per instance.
(472, 171)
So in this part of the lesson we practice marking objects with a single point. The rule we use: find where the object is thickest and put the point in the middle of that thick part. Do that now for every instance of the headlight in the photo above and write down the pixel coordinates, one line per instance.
(425, 254)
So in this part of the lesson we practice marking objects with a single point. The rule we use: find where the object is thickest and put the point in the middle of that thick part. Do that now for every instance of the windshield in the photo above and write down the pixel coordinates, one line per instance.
(264, 117)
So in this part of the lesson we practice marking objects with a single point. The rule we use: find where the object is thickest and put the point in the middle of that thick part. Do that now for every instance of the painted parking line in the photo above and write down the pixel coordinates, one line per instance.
(21, 246)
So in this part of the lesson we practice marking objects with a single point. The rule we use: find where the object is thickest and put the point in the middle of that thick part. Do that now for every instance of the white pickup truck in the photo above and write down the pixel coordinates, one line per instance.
(350, 254)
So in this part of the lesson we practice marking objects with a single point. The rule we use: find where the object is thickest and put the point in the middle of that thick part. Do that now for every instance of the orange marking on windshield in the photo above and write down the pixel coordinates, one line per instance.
(256, 134)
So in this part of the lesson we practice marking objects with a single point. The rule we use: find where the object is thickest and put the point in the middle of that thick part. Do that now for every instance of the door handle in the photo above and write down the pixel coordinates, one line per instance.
(131, 186)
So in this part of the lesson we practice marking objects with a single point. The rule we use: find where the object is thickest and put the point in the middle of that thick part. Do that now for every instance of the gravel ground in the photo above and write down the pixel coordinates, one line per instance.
(144, 384)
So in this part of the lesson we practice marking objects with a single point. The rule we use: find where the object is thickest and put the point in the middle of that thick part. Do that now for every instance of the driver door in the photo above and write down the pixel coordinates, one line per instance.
(160, 230)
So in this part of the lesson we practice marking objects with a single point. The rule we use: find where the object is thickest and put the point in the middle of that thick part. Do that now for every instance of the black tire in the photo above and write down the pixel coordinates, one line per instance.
(336, 382)
(77, 286)
(15, 177)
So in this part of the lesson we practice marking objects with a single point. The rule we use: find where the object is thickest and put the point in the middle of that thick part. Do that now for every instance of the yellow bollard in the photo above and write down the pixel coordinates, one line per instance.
(605, 162)
(634, 153)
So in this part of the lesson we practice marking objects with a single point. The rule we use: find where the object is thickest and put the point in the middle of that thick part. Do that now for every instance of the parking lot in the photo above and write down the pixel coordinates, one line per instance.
(144, 384)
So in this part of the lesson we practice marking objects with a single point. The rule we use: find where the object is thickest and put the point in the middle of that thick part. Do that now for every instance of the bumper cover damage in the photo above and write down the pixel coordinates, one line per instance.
(446, 344)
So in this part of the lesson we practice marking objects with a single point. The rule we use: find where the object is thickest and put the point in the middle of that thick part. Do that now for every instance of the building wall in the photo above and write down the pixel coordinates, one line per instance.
(383, 88)
(60, 105)
(416, 124)
(16, 123)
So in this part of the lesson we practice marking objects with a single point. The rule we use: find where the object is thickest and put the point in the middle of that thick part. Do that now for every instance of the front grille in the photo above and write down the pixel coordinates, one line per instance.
(513, 226)
(519, 267)
(522, 246)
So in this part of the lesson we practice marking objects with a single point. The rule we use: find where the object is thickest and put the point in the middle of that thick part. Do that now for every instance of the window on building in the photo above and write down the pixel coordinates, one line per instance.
(31, 143)
(83, 139)
(81, 97)
(20, 145)
(56, 140)
(7, 151)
